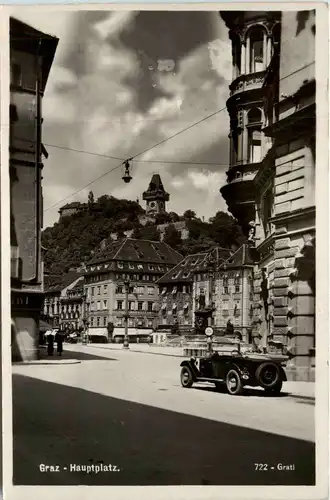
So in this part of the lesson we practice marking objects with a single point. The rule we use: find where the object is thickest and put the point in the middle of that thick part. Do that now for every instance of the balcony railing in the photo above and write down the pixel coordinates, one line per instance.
(247, 82)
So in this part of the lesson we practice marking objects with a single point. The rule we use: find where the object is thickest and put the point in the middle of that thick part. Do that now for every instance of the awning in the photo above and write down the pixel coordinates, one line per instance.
(98, 331)
(43, 326)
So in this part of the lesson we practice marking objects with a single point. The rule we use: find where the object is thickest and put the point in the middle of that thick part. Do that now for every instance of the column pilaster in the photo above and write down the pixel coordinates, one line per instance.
(247, 56)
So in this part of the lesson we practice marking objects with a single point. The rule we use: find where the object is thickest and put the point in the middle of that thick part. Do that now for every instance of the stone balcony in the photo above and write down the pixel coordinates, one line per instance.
(243, 83)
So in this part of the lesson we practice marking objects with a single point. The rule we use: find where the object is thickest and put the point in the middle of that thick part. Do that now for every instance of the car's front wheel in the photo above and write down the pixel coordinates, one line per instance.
(234, 383)
(186, 377)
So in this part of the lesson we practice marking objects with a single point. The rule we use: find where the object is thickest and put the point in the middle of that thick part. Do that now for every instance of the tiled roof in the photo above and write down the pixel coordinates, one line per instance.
(155, 188)
(57, 283)
(217, 255)
(74, 204)
(184, 271)
(135, 250)
(242, 257)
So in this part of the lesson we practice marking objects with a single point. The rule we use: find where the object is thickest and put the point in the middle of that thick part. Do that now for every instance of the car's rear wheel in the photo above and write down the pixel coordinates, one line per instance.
(234, 383)
(186, 377)
(273, 391)
(268, 375)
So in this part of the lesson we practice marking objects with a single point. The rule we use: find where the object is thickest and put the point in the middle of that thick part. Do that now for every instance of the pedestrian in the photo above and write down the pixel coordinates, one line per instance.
(50, 344)
(59, 340)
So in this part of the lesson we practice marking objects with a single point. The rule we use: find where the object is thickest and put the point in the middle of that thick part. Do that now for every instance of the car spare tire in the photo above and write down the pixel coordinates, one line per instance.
(268, 375)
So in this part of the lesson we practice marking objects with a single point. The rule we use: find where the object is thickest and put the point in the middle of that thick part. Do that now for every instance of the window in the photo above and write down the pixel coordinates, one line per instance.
(92, 321)
(254, 135)
(151, 267)
(267, 209)
(174, 291)
(150, 308)
(237, 311)
(97, 321)
(92, 306)
(140, 306)
(140, 267)
(105, 288)
(93, 289)
(120, 265)
(131, 266)
(130, 305)
(139, 290)
(256, 51)
(119, 305)
(119, 289)
(151, 290)
(105, 304)
(98, 305)
(163, 290)
(237, 283)
(104, 321)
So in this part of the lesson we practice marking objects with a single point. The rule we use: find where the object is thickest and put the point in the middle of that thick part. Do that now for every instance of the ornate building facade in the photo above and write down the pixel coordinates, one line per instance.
(271, 180)
(31, 57)
(223, 292)
(140, 264)
(176, 295)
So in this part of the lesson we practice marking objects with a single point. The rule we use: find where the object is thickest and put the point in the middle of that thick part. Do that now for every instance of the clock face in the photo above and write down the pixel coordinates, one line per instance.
(152, 204)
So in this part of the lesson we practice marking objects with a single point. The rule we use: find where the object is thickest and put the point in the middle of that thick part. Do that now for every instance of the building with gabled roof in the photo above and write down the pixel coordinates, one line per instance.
(141, 262)
(64, 300)
(176, 306)
(223, 290)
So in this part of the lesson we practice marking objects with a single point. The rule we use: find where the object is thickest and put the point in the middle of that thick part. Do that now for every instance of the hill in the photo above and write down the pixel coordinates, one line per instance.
(74, 239)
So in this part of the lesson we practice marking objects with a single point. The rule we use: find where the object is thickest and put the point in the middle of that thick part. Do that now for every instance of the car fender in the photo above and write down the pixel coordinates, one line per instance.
(234, 366)
(283, 374)
(190, 364)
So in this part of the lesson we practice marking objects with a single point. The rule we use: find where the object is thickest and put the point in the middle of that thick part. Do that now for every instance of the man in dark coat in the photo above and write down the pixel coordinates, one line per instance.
(59, 341)
(50, 344)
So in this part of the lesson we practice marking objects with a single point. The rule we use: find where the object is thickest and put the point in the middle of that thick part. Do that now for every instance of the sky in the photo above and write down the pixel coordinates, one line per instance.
(121, 82)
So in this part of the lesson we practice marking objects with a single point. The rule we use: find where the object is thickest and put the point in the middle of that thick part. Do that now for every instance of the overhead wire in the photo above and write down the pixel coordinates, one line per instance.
(147, 150)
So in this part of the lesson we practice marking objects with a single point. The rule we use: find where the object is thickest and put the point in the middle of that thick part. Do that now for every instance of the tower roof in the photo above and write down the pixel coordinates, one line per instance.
(156, 189)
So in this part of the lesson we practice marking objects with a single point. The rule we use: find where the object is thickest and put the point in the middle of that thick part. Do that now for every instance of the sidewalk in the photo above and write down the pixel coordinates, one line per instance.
(299, 390)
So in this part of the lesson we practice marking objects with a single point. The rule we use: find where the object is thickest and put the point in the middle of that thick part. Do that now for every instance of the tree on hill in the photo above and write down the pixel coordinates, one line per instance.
(150, 233)
(189, 214)
(90, 199)
(162, 218)
(172, 237)
(174, 217)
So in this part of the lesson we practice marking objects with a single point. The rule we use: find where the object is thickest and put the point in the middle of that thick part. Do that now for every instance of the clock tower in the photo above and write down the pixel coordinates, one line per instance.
(155, 196)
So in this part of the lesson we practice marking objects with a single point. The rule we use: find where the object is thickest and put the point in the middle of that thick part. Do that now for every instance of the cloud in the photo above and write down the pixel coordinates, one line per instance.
(98, 81)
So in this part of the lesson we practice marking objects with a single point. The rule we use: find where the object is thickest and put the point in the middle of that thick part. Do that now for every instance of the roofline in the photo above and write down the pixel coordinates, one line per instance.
(179, 263)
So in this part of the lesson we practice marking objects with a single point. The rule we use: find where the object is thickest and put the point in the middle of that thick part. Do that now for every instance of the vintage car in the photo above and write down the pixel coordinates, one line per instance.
(235, 369)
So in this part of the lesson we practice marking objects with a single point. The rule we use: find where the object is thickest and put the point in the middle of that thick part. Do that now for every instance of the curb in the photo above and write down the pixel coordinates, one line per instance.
(42, 362)
(140, 352)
